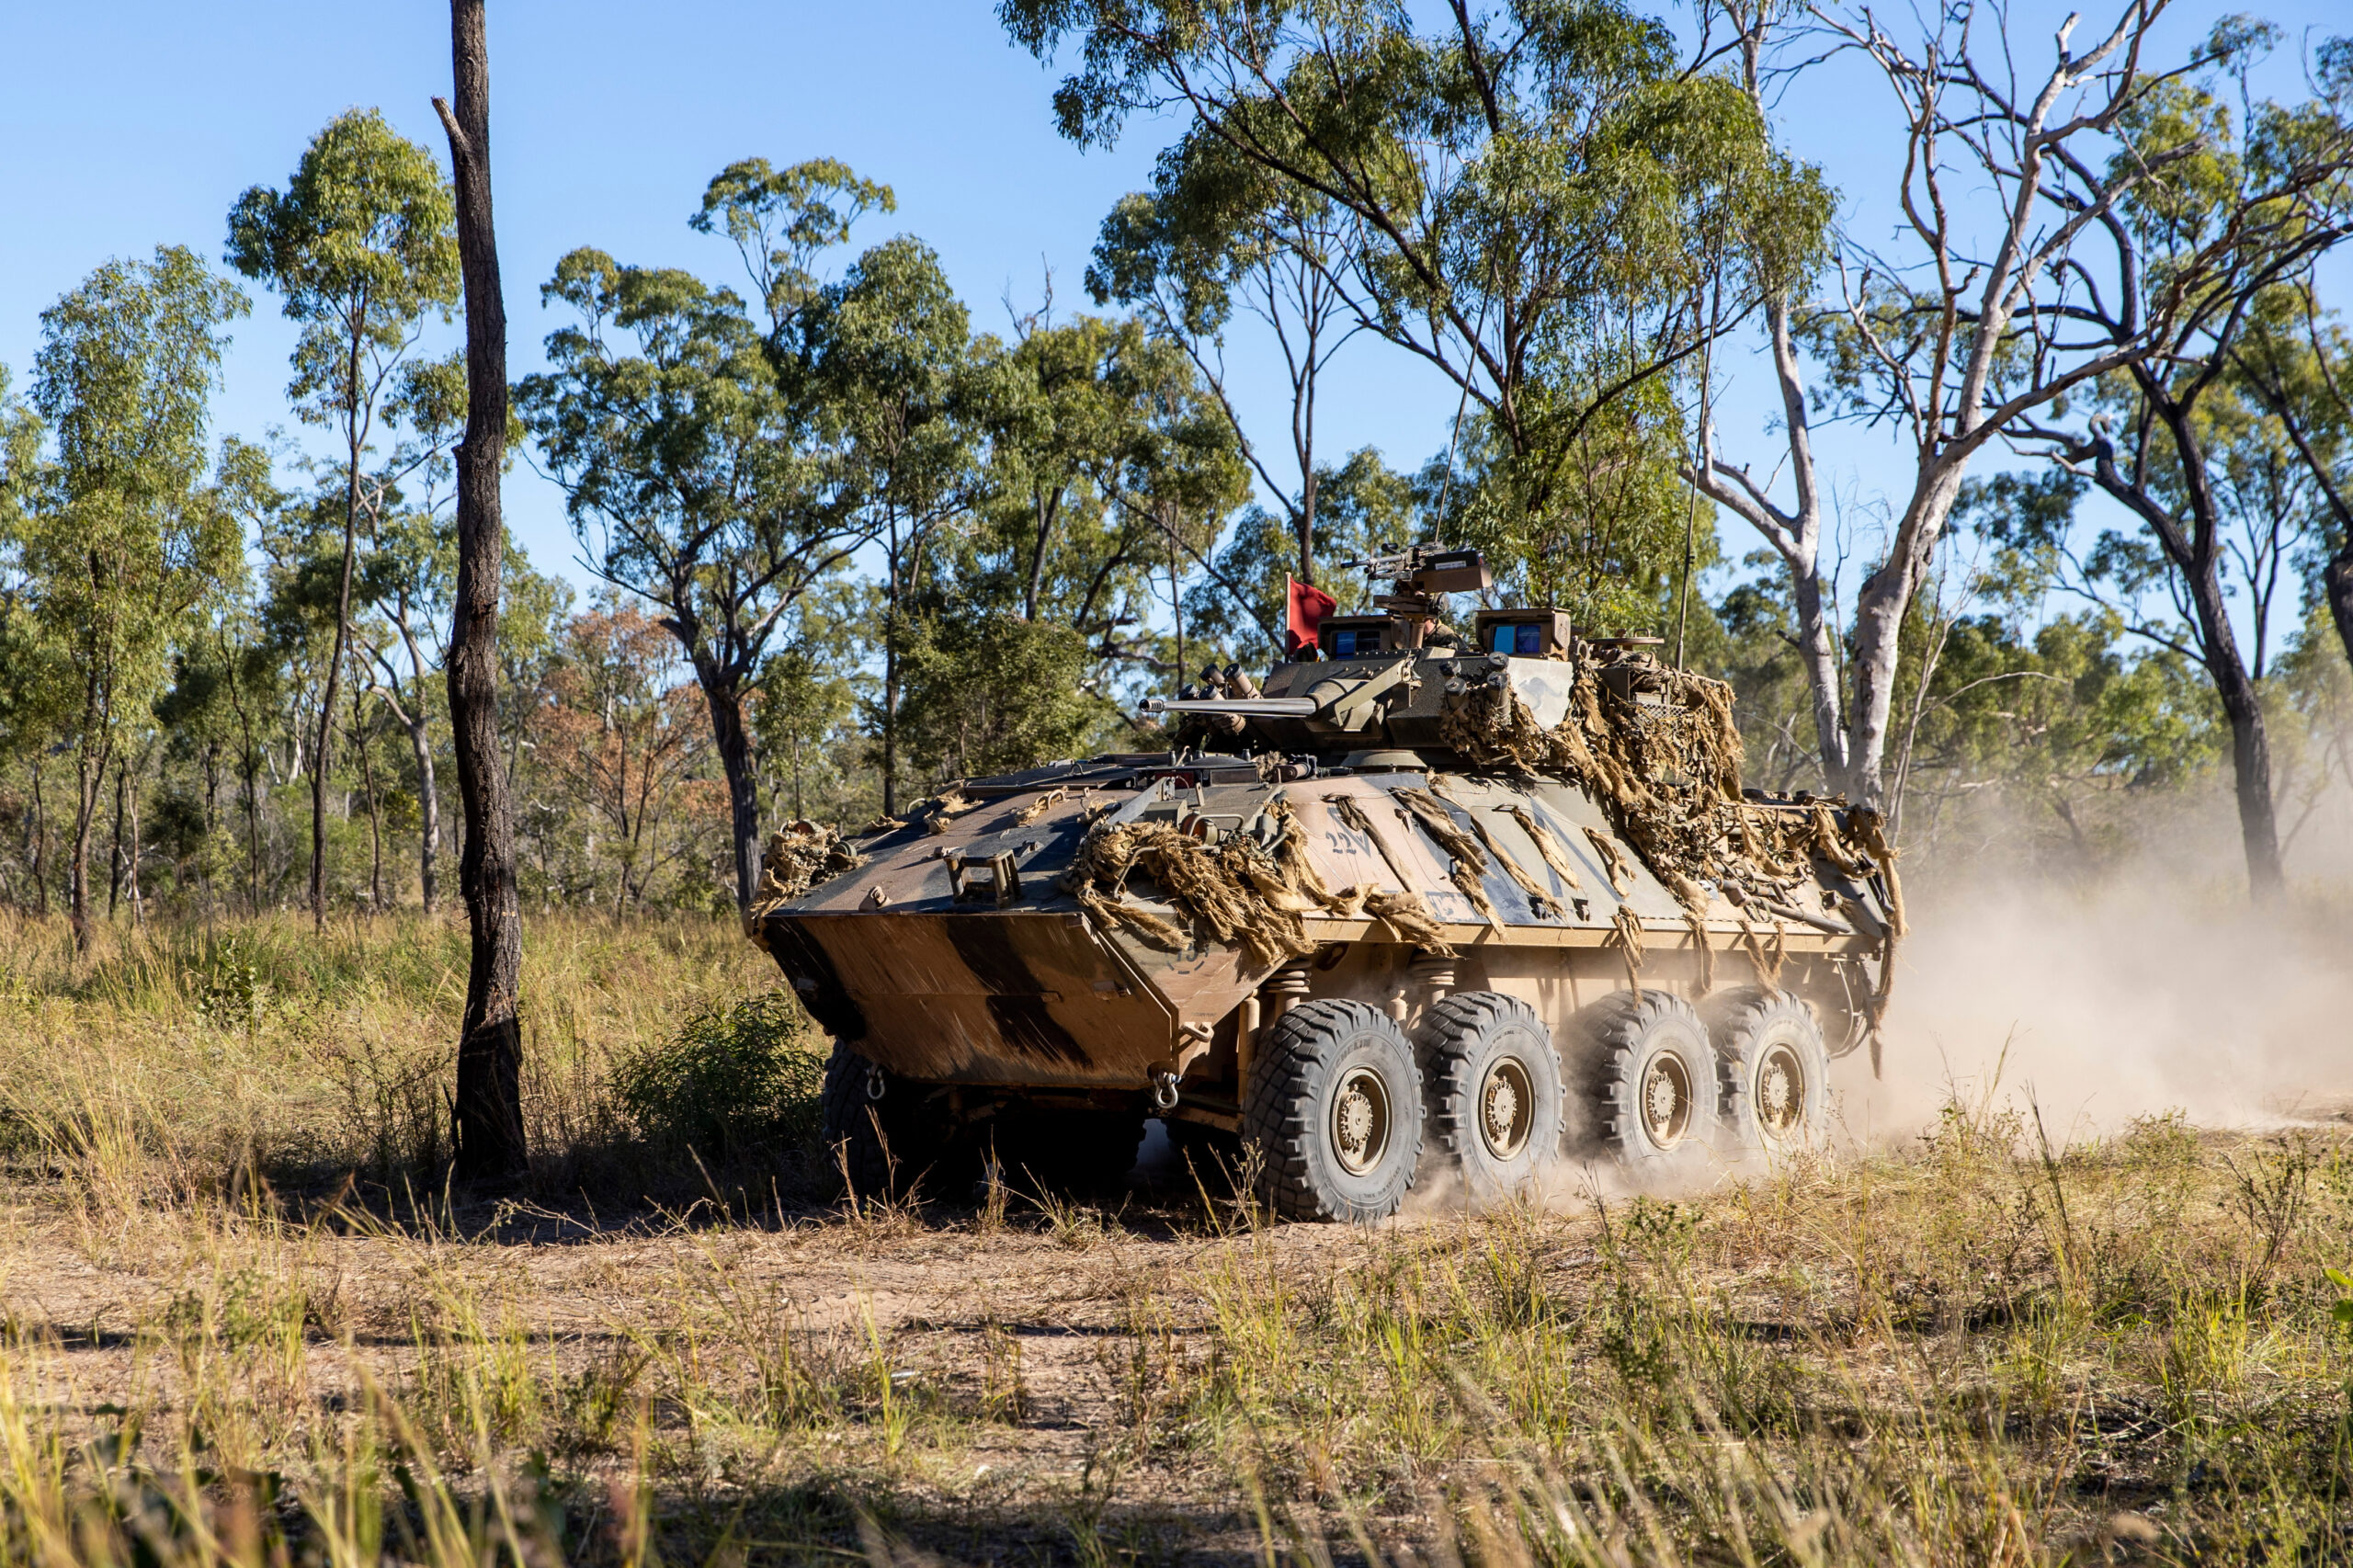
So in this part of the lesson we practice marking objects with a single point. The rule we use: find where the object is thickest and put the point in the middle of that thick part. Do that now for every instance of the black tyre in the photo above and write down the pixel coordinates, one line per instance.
(1649, 1077)
(1334, 1108)
(1773, 1071)
(1067, 1150)
(882, 1145)
(1492, 1085)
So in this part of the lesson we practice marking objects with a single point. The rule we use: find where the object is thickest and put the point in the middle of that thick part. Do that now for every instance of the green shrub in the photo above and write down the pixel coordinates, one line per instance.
(730, 1080)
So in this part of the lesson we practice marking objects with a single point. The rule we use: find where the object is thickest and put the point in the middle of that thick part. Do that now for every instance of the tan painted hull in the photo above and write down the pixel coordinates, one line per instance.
(1035, 993)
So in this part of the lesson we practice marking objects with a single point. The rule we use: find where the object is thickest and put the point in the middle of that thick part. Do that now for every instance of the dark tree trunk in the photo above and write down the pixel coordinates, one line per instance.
(131, 865)
(2338, 580)
(488, 1104)
(96, 751)
(113, 851)
(726, 705)
(2193, 552)
(335, 664)
(40, 843)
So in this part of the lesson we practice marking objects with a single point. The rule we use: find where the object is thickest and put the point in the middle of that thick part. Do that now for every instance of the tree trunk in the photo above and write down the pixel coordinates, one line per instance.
(2251, 776)
(114, 847)
(488, 1103)
(726, 705)
(2192, 553)
(428, 803)
(1879, 608)
(2337, 580)
(85, 813)
(131, 864)
(335, 664)
(97, 750)
(890, 718)
(375, 813)
(41, 842)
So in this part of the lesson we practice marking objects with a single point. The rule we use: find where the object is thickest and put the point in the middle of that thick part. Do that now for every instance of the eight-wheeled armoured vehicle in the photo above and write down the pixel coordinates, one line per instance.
(1421, 905)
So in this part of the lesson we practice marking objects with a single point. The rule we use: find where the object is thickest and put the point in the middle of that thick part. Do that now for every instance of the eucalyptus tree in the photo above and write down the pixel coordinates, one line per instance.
(1104, 450)
(698, 466)
(1529, 199)
(2010, 196)
(1219, 238)
(2256, 193)
(360, 246)
(1361, 505)
(894, 370)
(39, 693)
(406, 575)
(2299, 365)
(487, 1104)
(127, 538)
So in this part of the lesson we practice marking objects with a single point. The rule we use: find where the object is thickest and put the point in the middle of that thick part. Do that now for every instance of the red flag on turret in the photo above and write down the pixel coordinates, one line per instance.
(1309, 606)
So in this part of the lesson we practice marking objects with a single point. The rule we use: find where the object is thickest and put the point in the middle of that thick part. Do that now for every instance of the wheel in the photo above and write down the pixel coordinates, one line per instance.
(1334, 1109)
(1773, 1071)
(1067, 1150)
(1493, 1083)
(1649, 1077)
(882, 1145)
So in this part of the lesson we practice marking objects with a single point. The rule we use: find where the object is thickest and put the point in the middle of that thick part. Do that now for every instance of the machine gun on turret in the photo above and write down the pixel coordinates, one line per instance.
(1420, 575)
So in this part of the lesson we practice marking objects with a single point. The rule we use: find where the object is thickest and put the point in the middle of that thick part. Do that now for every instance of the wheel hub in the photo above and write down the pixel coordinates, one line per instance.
(1666, 1100)
(1780, 1092)
(1360, 1122)
(1506, 1109)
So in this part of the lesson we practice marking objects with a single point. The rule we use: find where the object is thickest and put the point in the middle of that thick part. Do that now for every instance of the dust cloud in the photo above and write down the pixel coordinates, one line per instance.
(2148, 986)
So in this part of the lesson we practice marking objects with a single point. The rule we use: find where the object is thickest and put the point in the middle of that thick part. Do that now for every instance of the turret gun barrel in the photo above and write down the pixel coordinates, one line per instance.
(1267, 706)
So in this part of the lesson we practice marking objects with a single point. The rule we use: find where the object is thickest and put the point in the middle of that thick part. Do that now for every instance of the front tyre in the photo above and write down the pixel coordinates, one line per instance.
(872, 1127)
(1650, 1078)
(1774, 1072)
(1494, 1084)
(1335, 1110)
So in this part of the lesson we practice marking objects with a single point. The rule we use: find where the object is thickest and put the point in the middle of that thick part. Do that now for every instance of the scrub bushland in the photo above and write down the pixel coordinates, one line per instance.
(249, 1320)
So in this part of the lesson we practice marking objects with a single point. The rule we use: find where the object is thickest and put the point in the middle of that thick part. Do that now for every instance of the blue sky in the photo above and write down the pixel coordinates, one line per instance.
(135, 124)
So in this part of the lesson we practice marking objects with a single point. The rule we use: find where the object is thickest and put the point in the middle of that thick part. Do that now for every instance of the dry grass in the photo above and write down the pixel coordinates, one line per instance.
(218, 1350)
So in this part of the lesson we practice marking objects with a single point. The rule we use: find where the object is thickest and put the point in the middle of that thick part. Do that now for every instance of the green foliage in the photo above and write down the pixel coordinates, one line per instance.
(731, 1078)
(996, 694)
(1105, 456)
(1499, 194)
(1593, 521)
(361, 244)
(123, 539)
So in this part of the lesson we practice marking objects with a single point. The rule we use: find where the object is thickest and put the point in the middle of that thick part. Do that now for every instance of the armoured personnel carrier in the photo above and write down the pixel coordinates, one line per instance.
(1419, 902)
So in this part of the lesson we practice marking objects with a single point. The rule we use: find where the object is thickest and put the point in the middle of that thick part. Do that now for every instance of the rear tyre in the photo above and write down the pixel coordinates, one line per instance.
(1335, 1110)
(1649, 1078)
(878, 1144)
(1773, 1072)
(1493, 1082)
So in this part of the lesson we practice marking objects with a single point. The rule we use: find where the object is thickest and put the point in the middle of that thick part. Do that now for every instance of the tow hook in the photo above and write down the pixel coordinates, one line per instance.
(876, 1085)
(1163, 1092)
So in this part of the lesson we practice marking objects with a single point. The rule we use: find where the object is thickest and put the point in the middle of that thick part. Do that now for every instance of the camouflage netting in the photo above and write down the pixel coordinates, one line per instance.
(798, 855)
(1250, 889)
(1657, 749)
